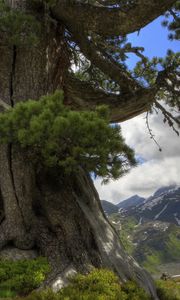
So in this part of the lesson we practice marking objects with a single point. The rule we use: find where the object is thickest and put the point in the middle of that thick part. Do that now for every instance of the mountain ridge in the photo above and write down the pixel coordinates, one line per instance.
(163, 205)
(133, 200)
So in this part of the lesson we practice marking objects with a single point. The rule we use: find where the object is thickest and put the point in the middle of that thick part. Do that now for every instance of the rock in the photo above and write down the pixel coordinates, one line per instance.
(17, 254)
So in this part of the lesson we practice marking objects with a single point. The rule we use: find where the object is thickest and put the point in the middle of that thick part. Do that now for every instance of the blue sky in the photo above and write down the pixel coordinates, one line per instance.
(155, 168)
(154, 39)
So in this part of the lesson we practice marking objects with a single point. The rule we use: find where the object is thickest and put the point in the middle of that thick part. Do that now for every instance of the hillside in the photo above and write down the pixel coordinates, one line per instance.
(150, 230)
(108, 207)
(164, 206)
(153, 244)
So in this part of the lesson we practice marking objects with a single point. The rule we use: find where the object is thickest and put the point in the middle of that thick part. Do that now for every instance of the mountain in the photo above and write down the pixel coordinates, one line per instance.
(164, 206)
(108, 207)
(132, 201)
(164, 189)
(150, 229)
(154, 244)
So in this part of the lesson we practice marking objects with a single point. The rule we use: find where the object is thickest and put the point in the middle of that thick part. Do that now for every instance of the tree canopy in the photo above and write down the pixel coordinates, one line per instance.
(95, 33)
(96, 37)
(98, 42)
(79, 47)
(55, 136)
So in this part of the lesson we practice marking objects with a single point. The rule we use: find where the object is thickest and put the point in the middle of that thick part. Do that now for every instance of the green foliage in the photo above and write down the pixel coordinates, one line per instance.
(134, 292)
(43, 295)
(147, 72)
(7, 294)
(92, 74)
(128, 226)
(168, 289)
(22, 276)
(172, 21)
(152, 259)
(98, 285)
(162, 247)
(126, 231)
(151, 247)
(18, 28)
(59, 137)
(173, 242)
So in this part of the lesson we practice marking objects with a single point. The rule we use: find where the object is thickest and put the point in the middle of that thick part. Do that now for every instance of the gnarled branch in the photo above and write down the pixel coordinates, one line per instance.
(108, 21)
(82, 96)
(106, 64)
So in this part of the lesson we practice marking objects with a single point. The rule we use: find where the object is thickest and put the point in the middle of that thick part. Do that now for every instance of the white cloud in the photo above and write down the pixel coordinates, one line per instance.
(159, 168)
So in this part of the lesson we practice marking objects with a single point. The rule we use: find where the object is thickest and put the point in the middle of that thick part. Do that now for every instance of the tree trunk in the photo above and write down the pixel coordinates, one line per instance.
(58, 215)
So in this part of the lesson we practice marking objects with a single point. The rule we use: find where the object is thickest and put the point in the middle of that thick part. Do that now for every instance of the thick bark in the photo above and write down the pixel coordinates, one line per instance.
(86, 238)
(109, 21)
(81, 95)
(26, 73)
(58, 215)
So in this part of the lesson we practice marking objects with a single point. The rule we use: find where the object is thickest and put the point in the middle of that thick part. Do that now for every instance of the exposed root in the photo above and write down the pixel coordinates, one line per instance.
(24, 242)
(61, 279)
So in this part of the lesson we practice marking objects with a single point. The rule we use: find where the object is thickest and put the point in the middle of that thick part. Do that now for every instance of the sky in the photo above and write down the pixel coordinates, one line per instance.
(156, 168)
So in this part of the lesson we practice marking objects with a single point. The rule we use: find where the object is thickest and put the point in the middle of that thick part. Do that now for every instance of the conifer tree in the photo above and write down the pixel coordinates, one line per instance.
(51, 145)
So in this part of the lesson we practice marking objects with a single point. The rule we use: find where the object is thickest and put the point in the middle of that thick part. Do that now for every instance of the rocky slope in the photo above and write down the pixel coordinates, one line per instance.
(108, 207)
(150, 229)
(131, 202)
(163, 206)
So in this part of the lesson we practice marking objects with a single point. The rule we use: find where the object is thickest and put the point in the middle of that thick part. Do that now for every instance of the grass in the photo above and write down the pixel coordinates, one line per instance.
(168, 289)
(22, 276)
(99, 284)
(7, 294)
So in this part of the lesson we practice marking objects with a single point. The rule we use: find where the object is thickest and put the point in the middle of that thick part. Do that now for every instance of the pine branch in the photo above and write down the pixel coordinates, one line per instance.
(106, 64)
(82, 95)
(152, 136)
(168, 117)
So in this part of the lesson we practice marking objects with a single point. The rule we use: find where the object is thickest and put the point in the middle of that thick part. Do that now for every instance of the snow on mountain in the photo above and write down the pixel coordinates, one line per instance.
(164, 206)
(132, 201)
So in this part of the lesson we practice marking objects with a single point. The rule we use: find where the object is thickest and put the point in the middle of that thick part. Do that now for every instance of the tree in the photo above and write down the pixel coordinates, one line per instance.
(57, 212)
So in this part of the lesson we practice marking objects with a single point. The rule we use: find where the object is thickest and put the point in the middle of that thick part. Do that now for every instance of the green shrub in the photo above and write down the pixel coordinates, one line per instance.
(42, 295)
(134, 292)
(22, 276)
(7, 294)
(59, 137)
(168, 289)
(98, 285)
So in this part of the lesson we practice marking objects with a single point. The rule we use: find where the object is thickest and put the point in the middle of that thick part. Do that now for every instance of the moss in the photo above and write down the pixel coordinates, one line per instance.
(168, 290)
(98, 285)
(22, 276)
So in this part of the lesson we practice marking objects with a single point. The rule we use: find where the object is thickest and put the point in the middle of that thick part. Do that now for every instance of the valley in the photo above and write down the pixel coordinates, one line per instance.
(150, 229)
